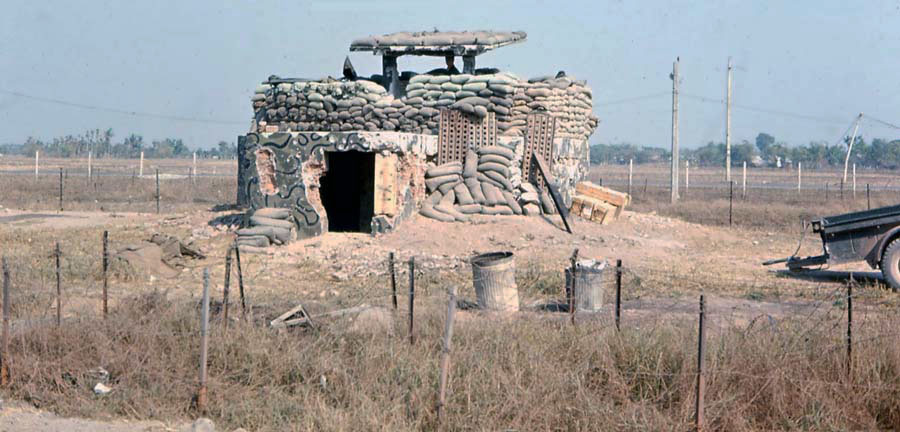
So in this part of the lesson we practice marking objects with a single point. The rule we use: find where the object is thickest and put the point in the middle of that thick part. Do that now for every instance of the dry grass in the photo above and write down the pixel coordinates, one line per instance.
(523, 373)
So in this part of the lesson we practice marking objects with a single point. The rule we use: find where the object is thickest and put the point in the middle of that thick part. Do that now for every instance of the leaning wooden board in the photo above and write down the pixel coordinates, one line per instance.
(554, 193)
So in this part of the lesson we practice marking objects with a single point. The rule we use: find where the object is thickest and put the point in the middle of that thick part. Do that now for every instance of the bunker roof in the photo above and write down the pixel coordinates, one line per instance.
(437, 43)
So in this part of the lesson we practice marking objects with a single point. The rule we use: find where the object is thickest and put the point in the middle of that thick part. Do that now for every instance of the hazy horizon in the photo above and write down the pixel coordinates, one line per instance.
(803, 70)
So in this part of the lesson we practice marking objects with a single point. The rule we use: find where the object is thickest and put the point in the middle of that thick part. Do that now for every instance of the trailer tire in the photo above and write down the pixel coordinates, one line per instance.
(890, 264)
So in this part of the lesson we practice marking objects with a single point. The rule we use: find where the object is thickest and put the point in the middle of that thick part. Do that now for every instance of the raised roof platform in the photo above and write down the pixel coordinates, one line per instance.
(437, 43)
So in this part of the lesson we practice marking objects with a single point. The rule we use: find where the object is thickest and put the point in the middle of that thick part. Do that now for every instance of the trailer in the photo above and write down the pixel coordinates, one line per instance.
(872, 236)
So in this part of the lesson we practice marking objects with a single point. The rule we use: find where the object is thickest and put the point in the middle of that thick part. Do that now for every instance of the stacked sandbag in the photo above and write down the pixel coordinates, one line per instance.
(479, 185)
(268, 226)
(332, 105)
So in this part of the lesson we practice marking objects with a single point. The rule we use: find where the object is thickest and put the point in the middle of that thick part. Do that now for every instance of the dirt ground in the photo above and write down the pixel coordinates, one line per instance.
(667, 262)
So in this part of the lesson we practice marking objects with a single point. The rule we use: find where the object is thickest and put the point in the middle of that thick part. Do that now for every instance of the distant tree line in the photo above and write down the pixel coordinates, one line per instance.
(101, 144)
(765, 151)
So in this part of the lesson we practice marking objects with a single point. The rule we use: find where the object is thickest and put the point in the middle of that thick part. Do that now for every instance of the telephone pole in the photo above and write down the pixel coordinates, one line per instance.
(674, 184)
(850, 147)
(728, 124)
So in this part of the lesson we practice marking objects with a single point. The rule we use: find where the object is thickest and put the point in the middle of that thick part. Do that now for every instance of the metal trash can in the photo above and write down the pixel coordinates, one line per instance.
(588, 285)
(494, 277)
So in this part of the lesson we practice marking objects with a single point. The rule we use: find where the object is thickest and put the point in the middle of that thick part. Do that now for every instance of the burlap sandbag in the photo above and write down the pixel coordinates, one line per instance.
(264, 221)
(447, 188)
(492, 194)
(475, 190)
(501, 210)
(449, 168)
(255, 241)
(547, 203)
(497, 150)
(274, 213)
(463, 197)
(430, 212)
(484, 167)
(512, 203)
(451, 210)
(470, 168)
(495, 159)
(433, 183)
(469, 209)
(275, 234)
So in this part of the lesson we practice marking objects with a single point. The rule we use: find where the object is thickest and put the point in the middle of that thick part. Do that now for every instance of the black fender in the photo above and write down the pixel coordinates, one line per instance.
(883, 243)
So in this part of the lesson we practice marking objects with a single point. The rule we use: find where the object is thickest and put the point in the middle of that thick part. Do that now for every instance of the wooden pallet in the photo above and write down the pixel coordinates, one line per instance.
(594, 210)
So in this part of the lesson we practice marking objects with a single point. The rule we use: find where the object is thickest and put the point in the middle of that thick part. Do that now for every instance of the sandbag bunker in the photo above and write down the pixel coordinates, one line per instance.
(363, 154)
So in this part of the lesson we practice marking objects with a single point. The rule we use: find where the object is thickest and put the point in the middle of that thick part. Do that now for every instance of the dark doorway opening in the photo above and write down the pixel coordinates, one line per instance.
(348, 191)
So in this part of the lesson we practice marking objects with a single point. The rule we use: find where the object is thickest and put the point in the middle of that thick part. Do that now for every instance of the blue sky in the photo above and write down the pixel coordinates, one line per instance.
(824, 60)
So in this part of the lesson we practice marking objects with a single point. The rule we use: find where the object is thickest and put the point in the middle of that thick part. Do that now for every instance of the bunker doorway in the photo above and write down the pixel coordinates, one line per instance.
(348, 191)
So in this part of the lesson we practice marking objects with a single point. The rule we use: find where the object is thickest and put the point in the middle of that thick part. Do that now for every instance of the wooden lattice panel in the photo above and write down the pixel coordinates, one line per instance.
(460, 132)
(539, 132)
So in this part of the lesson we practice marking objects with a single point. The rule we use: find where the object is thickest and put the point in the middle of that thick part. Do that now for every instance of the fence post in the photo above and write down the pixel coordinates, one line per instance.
(571, 299)
(799, 176)
(204, 342)
(157, 191)
(744, 182)
(730, 201)
(445, 353)
(842, 190)
(618, 294)
(645, 186)
(393, 279)
(105, 272)
(58, 288)
(60, 189)
(701, 379)
(237, 259)
(826, 191)
(850, 324)
(37, 156)
(687, 176)
(630, 174)
(4, 350)
(90, 167)
(868, 199)
(412, 297)
(227, 287)
(854, 181)
(141, 169)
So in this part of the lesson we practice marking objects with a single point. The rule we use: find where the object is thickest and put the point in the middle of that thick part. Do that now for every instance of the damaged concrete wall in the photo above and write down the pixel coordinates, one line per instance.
(292, 164)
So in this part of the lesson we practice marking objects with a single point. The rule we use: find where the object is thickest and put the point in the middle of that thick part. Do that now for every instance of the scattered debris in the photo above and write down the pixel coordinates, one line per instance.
(294, 317)
(597, 203)
(163, 255)
(101, 389)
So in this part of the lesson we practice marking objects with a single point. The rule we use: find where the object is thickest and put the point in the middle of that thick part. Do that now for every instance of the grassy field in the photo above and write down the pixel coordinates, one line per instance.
(532, 371)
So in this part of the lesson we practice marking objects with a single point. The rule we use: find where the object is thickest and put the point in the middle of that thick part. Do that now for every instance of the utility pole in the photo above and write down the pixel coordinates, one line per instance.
(674, 77)
(850, 147)
(728, 124)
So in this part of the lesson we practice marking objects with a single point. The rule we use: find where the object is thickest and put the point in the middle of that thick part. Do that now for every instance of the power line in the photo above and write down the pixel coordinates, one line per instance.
(120, 111)
(882, 122)
(633, 99)
(766, 110)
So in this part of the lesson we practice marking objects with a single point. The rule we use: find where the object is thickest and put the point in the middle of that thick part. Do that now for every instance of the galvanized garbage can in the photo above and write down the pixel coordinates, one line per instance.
(588, 284)
(494, 277)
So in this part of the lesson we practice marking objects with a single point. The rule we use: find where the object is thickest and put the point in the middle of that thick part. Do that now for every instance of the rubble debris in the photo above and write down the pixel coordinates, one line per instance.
(294, 317)
(101, 389)
(174, 249)
(597, 203)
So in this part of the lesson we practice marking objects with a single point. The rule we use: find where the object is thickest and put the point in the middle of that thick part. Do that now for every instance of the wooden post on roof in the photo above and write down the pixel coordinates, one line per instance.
(391, 74)
(469, 64)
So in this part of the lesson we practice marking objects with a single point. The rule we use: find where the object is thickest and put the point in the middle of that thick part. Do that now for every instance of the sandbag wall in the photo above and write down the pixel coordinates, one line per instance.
(332, 105)
(482, 184)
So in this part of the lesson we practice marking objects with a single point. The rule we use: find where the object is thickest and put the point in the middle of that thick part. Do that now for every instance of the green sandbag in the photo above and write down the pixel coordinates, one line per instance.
(462, 94)
(485, 179)
(420, 79)
(481, 111)
(275, 234)
(463, 197)
(433, 183)
(264, 221)
(464, 107)
(449, 86)
(530, 198)
(500, 109)
(444, 102)
(414, 86)
(434, 198)
(501, 101)
(469, 209)
(439, 79)
(475, 190)
(493, 166)
(255, 241)
(416, 93)
(430, 212)
(432, 94)
(474, 86)
(502, 89)
(445, 169)
(476, 101)
(485, 93)
(470, 168)
(448, 199)
(497, 150)
(531, 209)
(495, 159)
(512, 203)
(460, 78)
(272, 212)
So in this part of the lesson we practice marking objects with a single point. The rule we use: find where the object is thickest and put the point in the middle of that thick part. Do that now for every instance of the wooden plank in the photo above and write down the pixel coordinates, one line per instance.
(594, 210)
(554, 193)
(385, 184)
(616, 198)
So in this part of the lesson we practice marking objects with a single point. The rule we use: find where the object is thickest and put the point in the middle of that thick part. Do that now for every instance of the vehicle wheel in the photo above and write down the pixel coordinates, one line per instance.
(890, 264)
